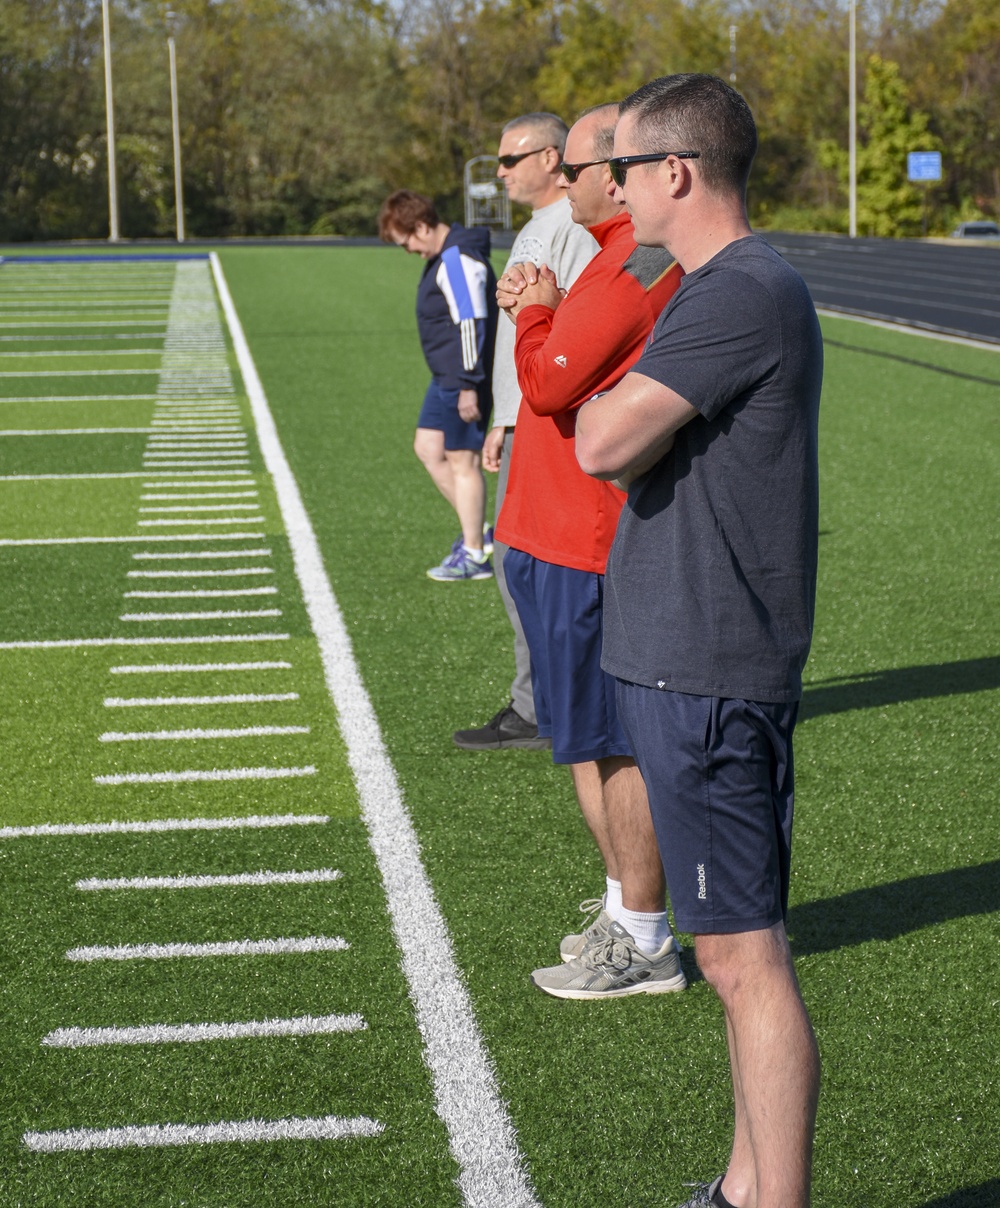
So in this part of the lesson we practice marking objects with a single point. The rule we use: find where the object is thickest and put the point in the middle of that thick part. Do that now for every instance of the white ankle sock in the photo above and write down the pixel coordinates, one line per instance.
(650, 931)
(476, 555)
(613, 897)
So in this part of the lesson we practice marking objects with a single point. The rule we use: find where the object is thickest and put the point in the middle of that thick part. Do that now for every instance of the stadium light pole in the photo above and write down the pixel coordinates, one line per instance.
(176, 124)
(852, 119)
(113, 234)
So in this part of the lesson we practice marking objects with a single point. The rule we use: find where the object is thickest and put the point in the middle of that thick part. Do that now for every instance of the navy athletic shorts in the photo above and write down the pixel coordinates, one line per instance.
(440, 412)
(720, 782)
(560, 611)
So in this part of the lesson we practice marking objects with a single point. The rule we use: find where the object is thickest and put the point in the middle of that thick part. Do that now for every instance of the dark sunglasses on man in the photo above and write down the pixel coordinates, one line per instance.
(511, 161)
(620, 165)
(572, 171)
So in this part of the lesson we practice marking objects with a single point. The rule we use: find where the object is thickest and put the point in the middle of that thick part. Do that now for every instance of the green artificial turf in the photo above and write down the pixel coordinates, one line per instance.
(894, 891)
(896, 879)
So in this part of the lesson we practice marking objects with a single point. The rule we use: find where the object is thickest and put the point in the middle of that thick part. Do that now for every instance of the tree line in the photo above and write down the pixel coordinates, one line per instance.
(298, 116)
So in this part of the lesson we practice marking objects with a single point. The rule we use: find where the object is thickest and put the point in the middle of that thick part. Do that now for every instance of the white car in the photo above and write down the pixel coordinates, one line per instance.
(976, 230)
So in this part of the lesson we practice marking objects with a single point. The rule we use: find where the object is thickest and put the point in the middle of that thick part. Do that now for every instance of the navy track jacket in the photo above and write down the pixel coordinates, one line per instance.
(457, 311)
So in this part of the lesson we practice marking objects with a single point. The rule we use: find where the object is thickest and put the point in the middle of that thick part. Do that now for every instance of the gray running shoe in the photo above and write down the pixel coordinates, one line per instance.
(594, 929)
(703, 1193)
(612, 968)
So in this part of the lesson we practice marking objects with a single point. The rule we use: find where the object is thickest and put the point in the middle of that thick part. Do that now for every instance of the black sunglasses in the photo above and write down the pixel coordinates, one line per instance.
(572, 171)
(510, 161)
(620, 165)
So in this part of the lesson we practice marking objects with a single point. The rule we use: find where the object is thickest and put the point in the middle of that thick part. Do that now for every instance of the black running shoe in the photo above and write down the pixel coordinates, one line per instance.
(507, 729)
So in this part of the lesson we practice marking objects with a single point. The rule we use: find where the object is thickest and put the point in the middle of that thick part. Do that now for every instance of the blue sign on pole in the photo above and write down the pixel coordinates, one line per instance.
(923, 165)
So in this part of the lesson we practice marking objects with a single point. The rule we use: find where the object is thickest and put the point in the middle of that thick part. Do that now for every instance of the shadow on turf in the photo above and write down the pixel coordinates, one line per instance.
(900, 684)
(892, 356)
(884, 912)
(986, 1195)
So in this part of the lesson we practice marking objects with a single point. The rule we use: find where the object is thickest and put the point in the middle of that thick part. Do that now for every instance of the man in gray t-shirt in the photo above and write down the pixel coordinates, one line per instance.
(530, 152)
(709, 594)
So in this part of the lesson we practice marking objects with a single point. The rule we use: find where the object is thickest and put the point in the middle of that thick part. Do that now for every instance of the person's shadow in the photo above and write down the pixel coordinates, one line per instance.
(884, 912)
(880, 688)
(985, 1195)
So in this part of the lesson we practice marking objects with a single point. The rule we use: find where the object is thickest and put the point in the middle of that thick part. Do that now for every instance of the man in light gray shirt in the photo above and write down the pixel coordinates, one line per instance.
(530, 152)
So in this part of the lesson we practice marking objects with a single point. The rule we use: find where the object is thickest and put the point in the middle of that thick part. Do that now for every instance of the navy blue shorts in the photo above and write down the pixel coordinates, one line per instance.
(560, 611)
(720, 782)
(440, 412)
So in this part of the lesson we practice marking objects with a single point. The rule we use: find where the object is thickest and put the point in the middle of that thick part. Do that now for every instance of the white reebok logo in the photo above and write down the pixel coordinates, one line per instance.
(561, 361)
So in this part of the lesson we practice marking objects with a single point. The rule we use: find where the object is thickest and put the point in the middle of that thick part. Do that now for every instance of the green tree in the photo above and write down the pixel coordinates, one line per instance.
(888, 205)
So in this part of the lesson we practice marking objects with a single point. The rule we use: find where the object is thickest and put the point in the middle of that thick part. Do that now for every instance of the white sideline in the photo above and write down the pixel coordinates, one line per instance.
(482, 1137)
(191, 1033)
(325, 1128)
(158, 825)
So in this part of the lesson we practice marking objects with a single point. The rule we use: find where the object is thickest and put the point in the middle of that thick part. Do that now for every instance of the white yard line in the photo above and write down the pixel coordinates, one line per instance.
(166, 474)
(468, 1100)
(230, 698)
(170, 668)
(196, 775)
(192, 1033)
(163, 825)
(205, 639)
(203, 495)
(86, 352)
(233, 571)
(47, 373)
(196, 734)
(316, 876)
(201, 594)
(211, 614)
(74, 431)
(282, 946)
(143, 537)
(229, 553)
(325, 1128)
(189, 508)
(181, 522)
(78, 398)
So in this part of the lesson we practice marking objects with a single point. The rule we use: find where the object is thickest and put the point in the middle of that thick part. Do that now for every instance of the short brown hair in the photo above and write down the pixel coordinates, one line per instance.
(697, 112)
(403, 211)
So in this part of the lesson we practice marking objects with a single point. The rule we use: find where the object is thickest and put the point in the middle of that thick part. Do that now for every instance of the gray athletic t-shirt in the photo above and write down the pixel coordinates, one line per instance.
(711, 582)
(550, 236)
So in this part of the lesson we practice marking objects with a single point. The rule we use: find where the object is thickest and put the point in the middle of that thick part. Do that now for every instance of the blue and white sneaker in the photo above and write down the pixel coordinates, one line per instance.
(459, 541)
(460, 565)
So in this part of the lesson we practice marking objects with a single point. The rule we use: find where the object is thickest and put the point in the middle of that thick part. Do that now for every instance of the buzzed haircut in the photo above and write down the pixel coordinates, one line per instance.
(550, 129)
(697, 112)
(403, 211)
(604, 136)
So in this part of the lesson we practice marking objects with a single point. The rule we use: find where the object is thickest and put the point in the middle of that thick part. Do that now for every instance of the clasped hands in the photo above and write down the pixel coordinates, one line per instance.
(527, 284)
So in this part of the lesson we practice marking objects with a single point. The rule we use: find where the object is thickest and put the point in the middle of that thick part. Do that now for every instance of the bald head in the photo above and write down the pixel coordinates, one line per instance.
(588, 145)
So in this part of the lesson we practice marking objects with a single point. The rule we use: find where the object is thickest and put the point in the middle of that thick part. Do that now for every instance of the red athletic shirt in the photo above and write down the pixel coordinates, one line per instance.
(552, 510)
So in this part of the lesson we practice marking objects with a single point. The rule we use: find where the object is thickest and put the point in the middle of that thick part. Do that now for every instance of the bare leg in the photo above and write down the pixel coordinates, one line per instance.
(775, 1066)
(428, 444)
(469, 493)
(630, 828)
(590, 794)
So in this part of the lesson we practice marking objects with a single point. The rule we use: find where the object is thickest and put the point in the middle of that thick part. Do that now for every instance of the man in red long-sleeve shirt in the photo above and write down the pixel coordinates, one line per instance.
(559, 524)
